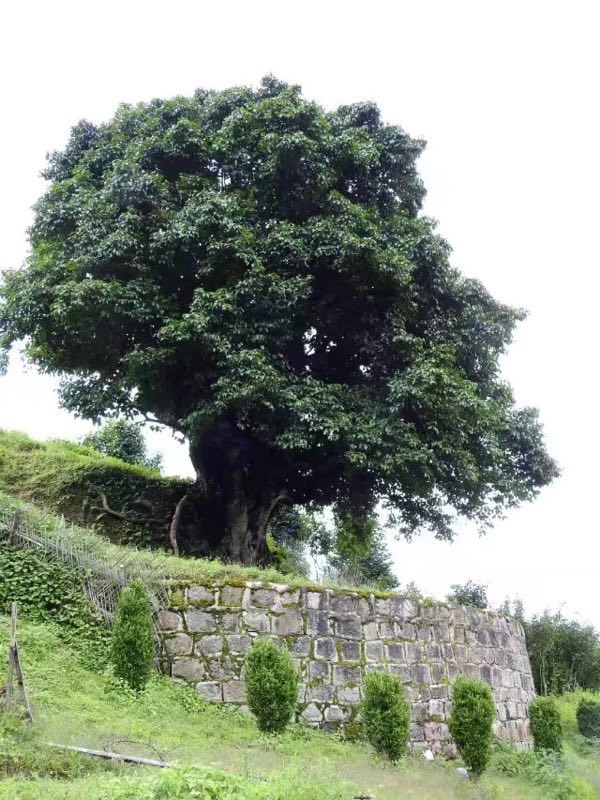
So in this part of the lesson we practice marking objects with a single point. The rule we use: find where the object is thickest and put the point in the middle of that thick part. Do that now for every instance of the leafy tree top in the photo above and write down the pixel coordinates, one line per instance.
(254, 272)
(123, 439)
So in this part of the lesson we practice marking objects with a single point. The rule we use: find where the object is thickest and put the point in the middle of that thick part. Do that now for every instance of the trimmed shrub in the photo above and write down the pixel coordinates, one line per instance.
(271, 686)
(473, 714)
(588, 718)
(131, 642)
(546, 725)
(386, 714)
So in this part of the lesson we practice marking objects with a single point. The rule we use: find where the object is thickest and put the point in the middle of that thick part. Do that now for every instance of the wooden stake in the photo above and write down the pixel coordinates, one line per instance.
(14, 667)
(11, 655)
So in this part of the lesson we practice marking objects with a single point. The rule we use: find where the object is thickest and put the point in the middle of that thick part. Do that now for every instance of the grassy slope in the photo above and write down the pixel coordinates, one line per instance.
(76, 706)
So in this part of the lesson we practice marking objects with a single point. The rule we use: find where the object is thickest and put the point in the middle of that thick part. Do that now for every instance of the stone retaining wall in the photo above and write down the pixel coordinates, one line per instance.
(336, 638)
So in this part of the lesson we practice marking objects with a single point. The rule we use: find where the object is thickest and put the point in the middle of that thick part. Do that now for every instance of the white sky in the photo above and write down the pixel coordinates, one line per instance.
(506, 94)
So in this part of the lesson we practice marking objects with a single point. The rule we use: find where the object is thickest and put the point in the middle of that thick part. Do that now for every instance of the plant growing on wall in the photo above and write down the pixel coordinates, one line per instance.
(254, 273)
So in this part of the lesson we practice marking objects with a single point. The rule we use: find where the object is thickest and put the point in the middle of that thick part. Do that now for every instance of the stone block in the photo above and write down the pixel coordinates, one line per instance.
(321, 693)
(343, 604)
(421, 673)
(350, 650)
(291, 597)
(334, 714)
(239, 643)
(344, 676)
(316, 601)
(216, 669)
(290, 622)
(374, 651)
(326, 649)
(318, 671)
(231, 622)
(301, 646)
(413, 652)
(348, 695)
(401, 670)
(168, 620)
(200, 594)
(395, 652)
(349, 627)
(264, 598)
(365, 608)
(200, 621)
(209, 645)
(434, 652)
(234, 692)
(231, 595)
(370, 631)
(312, 714)
(210, 690)
(424, 633)
(256, 621)
(317, 623)
(405, 630)
(178, 645)
(188, 669)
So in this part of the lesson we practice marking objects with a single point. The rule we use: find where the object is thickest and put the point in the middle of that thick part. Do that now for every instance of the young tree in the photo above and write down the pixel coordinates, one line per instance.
(254, 273)
(122, 439)
(469, 594)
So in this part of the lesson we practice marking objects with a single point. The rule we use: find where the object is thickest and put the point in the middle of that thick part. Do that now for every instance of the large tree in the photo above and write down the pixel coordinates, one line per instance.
(254, 273)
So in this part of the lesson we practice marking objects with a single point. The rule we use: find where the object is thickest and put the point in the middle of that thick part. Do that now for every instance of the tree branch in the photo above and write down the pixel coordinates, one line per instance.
(174, 526)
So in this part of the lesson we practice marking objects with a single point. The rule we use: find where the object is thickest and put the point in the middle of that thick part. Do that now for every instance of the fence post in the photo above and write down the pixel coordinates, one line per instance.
(14, 527)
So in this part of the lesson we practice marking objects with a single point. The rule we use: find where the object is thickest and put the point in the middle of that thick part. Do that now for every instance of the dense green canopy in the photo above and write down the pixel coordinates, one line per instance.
(254, 273)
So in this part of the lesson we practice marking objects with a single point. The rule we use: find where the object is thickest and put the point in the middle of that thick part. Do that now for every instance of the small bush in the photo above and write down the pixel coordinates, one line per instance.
(473, 714)
(546, 725)
(386, 714)
(131, 642)
(271, 686)
(468, 594)
(588, 718)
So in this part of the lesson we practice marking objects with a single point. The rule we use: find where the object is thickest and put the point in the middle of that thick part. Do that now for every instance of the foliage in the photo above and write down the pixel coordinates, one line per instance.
(68, 478)
(132, 645)
(386, 714)
(271, 686)
(564, 654)
(588, 718)
(471, 720)
(546, 725)
(468, 594)
(513, 608)
(542, 768)
(47, 591)
(255, 273)
(122, 439)
(352, 551)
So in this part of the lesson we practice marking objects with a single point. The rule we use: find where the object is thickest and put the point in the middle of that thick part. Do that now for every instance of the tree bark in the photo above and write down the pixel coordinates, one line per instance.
(242, 487)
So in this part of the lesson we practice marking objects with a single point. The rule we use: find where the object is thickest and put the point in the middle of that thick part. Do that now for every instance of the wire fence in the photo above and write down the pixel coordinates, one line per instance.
(103, 579)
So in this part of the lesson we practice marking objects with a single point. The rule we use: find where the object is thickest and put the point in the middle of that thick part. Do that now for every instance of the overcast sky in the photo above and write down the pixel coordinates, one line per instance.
(506, 95)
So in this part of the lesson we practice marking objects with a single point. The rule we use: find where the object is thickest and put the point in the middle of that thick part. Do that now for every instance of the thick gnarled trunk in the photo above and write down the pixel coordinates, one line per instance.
(241, 492)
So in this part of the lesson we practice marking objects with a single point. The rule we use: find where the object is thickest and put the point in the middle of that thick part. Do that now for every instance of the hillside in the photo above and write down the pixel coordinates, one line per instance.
(218, 752)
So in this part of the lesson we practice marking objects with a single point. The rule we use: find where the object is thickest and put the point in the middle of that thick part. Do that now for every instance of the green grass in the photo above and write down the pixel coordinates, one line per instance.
(159, 562)
(212, 746)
